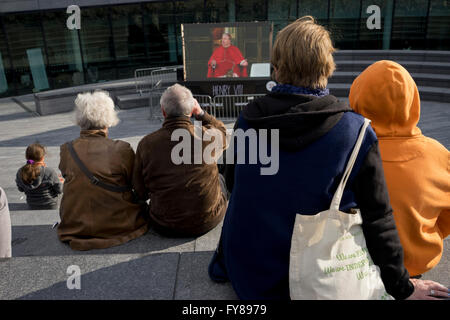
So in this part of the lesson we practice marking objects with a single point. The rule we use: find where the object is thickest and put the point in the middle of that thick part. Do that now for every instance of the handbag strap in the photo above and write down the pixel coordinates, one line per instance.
(94, 180)
(336, 202)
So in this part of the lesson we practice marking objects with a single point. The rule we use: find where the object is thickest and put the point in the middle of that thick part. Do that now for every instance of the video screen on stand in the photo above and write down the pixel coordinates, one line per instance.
(226, 50)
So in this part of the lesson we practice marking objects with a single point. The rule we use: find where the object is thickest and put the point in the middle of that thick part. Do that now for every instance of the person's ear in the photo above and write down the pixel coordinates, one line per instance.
(274, 72)
(163, 112)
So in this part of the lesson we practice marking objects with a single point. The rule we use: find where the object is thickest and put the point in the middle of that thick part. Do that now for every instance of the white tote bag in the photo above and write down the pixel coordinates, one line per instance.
(329, 257)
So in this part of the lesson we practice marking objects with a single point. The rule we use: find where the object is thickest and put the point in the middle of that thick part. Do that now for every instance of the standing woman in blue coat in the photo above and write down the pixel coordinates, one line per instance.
(317, 133)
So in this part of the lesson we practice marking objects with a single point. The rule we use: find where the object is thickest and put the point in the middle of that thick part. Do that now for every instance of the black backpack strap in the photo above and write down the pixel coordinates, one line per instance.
(93, 178)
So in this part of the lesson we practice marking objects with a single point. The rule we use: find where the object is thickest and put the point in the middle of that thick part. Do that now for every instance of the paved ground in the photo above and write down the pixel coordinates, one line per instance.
(150, 267)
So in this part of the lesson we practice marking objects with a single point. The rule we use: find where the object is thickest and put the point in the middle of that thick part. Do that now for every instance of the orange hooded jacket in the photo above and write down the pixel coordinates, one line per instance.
(416, 168)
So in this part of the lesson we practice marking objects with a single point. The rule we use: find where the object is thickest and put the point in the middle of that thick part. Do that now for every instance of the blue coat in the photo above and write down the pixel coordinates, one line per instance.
(258, 225)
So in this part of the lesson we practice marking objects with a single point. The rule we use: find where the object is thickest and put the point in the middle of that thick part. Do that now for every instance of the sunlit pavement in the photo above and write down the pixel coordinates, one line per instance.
(150, 267)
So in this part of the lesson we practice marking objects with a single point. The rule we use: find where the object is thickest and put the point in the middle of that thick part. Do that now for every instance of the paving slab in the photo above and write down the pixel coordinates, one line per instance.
(103, 277)
(193, 282)
(10, 110)
(209, 241)
(27, 102)
(441, 272)
(42, 240)
(435, 121)
(150, 267)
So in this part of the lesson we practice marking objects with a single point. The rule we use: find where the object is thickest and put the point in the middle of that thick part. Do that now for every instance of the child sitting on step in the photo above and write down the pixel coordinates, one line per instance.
(41, 185)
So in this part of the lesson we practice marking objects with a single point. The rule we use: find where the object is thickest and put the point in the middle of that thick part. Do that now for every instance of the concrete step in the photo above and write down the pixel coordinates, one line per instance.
(411, 66)
(33, 235)
(421, 79)
(133, 100)
(62, 100)
(136, 100)
(10, 110)
(426, 93)
(163, 276)
(149, 267)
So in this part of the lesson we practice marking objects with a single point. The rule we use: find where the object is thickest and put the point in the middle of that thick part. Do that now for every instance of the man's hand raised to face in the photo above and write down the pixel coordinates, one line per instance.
(197, 111)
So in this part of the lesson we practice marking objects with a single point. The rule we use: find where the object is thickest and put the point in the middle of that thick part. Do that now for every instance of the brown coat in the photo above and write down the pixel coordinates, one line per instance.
(92, 217)
(185, 199)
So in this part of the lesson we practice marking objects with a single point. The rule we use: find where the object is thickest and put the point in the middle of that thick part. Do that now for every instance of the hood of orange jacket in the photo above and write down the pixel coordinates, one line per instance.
(386, 93)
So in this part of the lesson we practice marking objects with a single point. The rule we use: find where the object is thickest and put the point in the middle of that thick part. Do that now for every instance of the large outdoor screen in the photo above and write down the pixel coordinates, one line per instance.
(226, 50)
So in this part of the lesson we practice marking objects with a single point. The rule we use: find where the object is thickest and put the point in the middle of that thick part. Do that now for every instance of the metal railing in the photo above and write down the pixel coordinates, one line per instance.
(206, 103)
(146, 78)
(153, 81)
(221, 107)
(143, 79)
(229, 106)
(158, 80)
(165, 74)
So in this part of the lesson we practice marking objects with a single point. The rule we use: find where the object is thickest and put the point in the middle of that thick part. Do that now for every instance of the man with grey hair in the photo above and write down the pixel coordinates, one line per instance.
(188, 197)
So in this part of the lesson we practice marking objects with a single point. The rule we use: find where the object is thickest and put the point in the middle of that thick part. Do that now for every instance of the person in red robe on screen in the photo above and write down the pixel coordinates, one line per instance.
(227, 60)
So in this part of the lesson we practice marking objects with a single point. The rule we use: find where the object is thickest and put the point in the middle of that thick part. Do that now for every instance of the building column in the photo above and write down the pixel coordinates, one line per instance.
(387, 28)
(231, 11)
(74, 44)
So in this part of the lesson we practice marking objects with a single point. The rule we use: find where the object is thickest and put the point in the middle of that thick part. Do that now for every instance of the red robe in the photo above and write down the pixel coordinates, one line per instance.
(226, 59)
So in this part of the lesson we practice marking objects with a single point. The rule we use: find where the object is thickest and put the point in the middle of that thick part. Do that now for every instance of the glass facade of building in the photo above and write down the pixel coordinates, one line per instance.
(38, 52)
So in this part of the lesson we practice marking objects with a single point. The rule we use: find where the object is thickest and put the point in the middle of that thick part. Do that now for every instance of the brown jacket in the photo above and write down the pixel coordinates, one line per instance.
(185, 199)
(92, 217)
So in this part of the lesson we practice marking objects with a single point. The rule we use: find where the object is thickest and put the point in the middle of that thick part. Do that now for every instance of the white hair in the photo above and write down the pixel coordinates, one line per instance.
(95, 110)
(177, 100)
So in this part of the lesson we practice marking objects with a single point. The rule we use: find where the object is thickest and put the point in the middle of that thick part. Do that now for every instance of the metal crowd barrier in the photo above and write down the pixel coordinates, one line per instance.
(229, 106)
(226, 107)
(146, 78)
(143, 79)
(159, 79)
(155, 80)
(205, 103)
(165, 74)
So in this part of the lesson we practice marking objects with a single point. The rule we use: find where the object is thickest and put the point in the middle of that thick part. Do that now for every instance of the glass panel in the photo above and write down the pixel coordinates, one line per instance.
(344, 23)
(282, 12)
(97, 45)
(409, 24)
(251, 10)
(376, 38)
(438, 29)
(129, 39)
(217, 10)
(186, 12)
(63, 48)
(159, 28)
(27, 51)
(317, 9)
(7, 85)
(189, 11)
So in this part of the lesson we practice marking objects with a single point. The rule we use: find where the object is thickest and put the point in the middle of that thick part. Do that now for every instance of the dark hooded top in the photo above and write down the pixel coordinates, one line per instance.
(43, 192)
(316, 137)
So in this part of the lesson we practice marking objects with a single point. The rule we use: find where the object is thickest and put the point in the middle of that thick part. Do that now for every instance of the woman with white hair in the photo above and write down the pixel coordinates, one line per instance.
(98, 208)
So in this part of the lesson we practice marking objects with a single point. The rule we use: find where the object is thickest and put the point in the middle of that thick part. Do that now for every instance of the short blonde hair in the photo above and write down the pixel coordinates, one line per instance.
(303, 54)
(95, 110)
